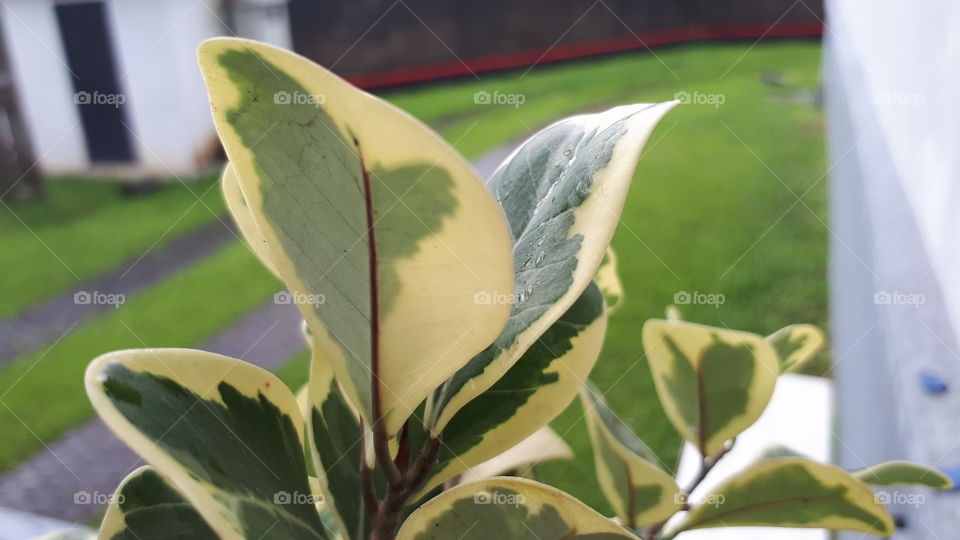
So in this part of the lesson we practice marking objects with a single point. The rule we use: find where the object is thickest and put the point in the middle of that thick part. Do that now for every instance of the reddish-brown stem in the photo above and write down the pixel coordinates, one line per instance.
(706, 465)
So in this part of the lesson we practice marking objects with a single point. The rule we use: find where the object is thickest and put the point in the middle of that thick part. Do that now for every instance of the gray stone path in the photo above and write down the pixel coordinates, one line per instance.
(72, 477)
(47, 321)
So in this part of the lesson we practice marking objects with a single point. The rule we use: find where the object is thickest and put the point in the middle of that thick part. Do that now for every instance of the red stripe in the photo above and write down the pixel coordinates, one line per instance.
(567, 51)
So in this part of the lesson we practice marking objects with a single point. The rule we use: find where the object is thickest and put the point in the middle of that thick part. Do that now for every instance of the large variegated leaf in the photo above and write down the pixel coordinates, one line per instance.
(533, 392)
(796, 345)
(713, 383)
(903, 473)
(232, 194)
(609, 281)
(226, 433)
(791, 492)
(543, 445)
(383, 234)
(335, 442)
(562, 191)
(639, 491)
(147, 506)
(501, 508)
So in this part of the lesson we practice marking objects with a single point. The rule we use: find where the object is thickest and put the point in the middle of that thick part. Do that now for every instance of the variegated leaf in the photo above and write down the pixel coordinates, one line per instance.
(796, 345)
(562, 192)
(791, 492)
(501, 508)
(147, 506)
(226, 433)
(333, 430)
(543, 445)
(903, 473)
(609, 281)
(249, 229)
(533, 392)
(713, 383)
(640, 492)
(383, 234)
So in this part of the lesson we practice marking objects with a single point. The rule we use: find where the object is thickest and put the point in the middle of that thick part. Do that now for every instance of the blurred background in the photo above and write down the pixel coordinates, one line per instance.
(807, 177)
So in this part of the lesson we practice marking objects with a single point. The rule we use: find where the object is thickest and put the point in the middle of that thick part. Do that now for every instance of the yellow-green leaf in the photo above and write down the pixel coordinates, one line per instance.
(796, 345)
(640, 492)
(609, 281)
(533, 392)
(791, 492)
(382, 233)
(903, 473)
(562, 192)
(333, 431)
(146, 506)
(502, 508)
(713, 383)
(543, 445)
(226, 433)
(249, 229)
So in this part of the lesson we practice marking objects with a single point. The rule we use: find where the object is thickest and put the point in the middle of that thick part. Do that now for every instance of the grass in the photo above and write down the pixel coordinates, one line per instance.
(711, 211)
(83, 228)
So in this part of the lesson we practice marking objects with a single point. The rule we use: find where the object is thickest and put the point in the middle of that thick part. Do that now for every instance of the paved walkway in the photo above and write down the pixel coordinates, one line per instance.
(44, 323)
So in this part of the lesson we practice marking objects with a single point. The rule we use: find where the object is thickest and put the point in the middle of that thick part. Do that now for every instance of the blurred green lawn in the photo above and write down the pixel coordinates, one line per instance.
(714, 209)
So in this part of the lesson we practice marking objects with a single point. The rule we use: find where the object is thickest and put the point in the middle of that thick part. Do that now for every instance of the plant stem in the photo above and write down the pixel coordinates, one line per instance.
(386, 516)
(706, 465)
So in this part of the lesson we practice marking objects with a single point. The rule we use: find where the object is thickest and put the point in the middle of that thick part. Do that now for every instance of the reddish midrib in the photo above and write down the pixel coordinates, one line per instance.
(374, 294)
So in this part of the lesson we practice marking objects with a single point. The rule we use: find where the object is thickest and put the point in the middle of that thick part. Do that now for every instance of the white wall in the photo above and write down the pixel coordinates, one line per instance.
(891, 86)
(167, 106)
(43, 84)
(154, 53)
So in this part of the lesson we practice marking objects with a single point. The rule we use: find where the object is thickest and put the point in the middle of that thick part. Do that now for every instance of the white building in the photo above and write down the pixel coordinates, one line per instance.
(113, 87)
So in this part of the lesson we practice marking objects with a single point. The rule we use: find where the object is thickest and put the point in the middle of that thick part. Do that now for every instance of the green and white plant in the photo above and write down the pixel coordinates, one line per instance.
(458, 319)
